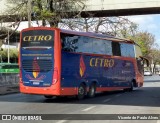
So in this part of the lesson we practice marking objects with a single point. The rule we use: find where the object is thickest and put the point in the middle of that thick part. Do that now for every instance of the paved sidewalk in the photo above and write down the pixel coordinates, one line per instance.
(8, 90)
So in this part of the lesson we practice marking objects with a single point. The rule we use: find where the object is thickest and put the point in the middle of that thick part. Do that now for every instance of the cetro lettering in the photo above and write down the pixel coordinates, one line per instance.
(37, 38)
(100, 62)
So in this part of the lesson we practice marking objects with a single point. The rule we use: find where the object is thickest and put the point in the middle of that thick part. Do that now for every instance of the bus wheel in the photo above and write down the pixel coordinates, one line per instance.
(81, 91)
(92, 90)
(131, 86)
(48, 96)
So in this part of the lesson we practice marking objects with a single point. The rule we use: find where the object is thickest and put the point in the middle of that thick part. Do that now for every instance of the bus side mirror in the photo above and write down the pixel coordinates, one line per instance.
(145, 60)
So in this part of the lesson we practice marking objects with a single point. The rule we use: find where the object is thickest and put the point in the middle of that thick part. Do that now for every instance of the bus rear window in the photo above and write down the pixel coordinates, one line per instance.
(34, 38)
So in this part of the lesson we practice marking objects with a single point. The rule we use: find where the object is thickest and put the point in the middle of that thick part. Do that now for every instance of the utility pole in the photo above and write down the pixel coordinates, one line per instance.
(8, 47)
(29, 12)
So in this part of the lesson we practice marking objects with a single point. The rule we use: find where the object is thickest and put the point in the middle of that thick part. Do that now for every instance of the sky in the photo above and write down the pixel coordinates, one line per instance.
(149, 23)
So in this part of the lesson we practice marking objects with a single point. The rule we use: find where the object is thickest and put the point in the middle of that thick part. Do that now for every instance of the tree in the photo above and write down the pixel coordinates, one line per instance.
(154, 54)
(117, 26)
(146, 41)
(51, 11)
(13, 55)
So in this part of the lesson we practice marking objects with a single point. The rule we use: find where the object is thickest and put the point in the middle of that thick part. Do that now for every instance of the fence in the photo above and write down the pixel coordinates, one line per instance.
(9, 79)
(9, 74)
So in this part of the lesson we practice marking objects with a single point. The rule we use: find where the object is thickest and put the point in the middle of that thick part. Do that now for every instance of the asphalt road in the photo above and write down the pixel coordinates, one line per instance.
(145, 100)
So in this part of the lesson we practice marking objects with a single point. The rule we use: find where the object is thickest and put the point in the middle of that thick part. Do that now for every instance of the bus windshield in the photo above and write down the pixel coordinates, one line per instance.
(37, 38)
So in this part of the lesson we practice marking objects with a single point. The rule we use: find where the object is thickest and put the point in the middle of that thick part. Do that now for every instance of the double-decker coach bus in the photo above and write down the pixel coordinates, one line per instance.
(57, 62)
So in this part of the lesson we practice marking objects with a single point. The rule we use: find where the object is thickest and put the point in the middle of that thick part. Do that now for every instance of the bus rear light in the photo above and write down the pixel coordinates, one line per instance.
(55, 76)
(20, 80)
(54, 81)
(20, 77)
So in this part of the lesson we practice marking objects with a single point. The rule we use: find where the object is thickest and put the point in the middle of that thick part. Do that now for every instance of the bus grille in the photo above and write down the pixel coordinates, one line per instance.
(41, 65)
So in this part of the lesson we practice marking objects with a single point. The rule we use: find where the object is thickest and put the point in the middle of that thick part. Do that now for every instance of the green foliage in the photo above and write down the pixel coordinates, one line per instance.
(3, 54)
(41, 13)
(54, 10)
(143, 47)
(13, 53)
(145, 40)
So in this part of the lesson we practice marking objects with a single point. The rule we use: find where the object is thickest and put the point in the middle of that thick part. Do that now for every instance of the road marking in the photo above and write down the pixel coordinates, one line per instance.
(61, 121)
(136, 88)
(118, 95)
(104, 101)
(89, 108)
(64, 120)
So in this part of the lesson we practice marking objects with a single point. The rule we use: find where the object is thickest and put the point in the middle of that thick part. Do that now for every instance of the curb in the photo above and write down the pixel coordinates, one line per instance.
(8, 90)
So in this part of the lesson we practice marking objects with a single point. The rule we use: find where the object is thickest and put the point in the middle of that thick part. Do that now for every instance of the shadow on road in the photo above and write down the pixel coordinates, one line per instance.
(146, 96)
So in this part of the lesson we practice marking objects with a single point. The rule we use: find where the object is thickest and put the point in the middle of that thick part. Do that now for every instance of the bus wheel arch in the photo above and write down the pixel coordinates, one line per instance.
(92, 89)
(48, 96)
(82, 91)
(132, 85)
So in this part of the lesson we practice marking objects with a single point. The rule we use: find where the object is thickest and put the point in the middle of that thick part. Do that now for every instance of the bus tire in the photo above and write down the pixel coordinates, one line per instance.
(81, 91)
(92, 90)
(48, 96)
(131, 86)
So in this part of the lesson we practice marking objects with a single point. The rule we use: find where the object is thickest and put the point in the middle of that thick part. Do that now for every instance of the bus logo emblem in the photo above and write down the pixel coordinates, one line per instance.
(36, 68)
(82, 67)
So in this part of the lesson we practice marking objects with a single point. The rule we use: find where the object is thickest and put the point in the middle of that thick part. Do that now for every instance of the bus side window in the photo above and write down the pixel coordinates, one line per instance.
(116, 49)
(108, 48)
(69, 42)
(99, 46)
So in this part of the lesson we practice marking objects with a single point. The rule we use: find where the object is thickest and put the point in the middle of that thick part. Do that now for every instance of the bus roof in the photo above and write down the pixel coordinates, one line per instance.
(98, 35)
(90, 34)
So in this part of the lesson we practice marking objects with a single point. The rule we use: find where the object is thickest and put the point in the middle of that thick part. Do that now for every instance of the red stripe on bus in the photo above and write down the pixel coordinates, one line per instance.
(53, 90)
(66, 91)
